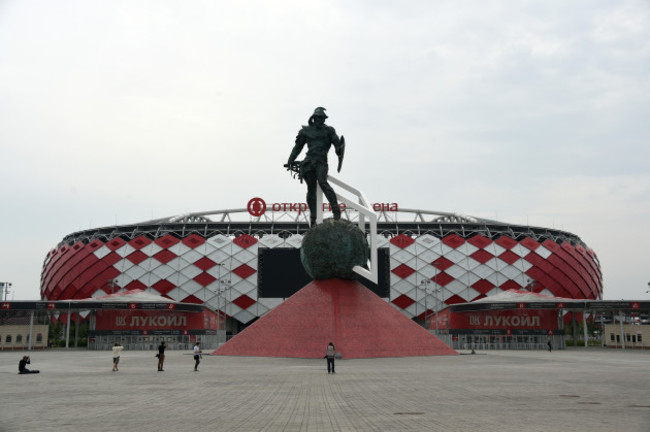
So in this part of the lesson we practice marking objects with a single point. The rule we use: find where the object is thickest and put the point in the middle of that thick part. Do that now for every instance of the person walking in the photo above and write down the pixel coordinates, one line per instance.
(117, 349)
(197, 356)
(550, 345)
(330, 351)
(161, 355)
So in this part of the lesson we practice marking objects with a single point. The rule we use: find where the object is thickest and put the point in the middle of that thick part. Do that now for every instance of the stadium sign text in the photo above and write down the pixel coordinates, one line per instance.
(257, 207)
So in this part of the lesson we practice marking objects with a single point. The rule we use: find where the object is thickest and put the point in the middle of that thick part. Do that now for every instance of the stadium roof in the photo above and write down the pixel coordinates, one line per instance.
(518, 299)
(236, 222)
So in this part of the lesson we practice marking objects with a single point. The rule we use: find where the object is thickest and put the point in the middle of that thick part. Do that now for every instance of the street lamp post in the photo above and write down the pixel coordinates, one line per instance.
(221, 289)
(5, 286)
(531, 284)
(427, 290)
(112, 284)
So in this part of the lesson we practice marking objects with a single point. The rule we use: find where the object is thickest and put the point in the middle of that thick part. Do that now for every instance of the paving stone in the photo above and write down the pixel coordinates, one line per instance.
(572, 390)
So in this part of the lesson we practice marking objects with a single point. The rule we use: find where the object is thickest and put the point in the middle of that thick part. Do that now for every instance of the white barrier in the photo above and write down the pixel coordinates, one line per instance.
(361, 205)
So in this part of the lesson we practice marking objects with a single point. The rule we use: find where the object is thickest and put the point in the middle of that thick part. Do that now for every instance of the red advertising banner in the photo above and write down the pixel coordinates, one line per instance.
(519, 319)
(153, 320)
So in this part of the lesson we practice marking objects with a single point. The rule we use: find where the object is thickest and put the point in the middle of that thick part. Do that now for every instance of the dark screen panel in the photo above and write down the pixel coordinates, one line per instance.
(281, 273)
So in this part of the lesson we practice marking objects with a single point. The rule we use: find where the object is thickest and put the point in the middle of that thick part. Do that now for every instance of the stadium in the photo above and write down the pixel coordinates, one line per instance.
(242, 263)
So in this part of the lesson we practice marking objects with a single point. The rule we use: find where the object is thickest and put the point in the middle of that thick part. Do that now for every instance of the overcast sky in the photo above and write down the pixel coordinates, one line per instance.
(529, 112)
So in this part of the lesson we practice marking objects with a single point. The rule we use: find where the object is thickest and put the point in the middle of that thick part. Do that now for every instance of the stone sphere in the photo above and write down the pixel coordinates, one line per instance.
(333, 248)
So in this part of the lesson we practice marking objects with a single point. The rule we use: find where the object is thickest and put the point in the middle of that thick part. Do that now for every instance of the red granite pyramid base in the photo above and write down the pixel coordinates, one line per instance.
(360, 324)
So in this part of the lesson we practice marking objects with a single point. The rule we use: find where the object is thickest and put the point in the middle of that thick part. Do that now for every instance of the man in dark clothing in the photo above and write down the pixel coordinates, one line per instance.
(330, 353)
(22, 366)
(319, 137)
(161, 355)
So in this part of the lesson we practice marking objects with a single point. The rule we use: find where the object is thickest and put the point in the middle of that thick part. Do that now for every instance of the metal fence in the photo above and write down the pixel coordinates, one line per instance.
(487, 343)
(150, 343)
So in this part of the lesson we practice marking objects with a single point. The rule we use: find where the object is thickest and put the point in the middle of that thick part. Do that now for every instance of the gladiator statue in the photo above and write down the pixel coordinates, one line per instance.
(313, 169)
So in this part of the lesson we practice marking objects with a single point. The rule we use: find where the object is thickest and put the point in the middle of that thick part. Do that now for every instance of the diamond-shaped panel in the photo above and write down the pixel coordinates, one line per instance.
(455, 300)
(483, 286)
(245, 241)
(402, 241)
(163, 286)
(191, 271)
(510, 272)
(244, 316)
(164, 256)
(150, 264)
(506, 242)
(427, 241)
(442, 263)
(244, 271)
(179, 249)
(442, 279)
(124, 250)
(244, 301)
(135, 272)
(509, 257)
(139, 242)
(205, 263)
(530, 243)
(163, 271)
(543, 252)
(123, 265)
(166, 241)
(136, 284)
(403, 301)
(479, 241)
(401, 255)
(151, 249)
(295, 241)
(192, 299)
(271, 241)
(204, 279)
(192, 255)
(179, 263)
(193, 241)
(114, 244)
(137, 257)
(453, 240)
(510, 284)
(403, 271)
(100, 253)
(456, 271)
(481, 256)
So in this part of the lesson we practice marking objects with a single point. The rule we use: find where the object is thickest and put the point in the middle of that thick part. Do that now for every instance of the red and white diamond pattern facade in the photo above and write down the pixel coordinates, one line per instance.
(429, 273)
(426, 272)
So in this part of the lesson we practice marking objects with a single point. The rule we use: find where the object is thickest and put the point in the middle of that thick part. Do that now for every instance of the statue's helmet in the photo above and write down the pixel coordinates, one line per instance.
(319, 112)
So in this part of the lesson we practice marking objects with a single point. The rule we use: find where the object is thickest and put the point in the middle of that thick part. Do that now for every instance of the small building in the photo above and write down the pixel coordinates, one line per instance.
(629, 336)
(16, 334)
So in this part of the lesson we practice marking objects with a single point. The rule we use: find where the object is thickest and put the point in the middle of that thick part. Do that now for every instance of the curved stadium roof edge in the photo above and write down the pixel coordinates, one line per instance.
(235, 222)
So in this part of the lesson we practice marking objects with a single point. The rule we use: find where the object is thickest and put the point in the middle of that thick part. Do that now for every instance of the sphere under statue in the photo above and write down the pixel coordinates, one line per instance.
(333, 248)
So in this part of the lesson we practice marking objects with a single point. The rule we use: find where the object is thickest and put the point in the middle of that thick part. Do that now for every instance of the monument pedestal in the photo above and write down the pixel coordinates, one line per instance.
(345, 312)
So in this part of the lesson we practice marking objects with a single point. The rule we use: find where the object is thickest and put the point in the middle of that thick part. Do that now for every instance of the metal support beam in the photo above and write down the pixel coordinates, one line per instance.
(67, 330)
(584, 327)
(620, 321)
(31, 330)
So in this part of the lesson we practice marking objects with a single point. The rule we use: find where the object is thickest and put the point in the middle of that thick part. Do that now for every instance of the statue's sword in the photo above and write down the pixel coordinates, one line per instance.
(341, 154)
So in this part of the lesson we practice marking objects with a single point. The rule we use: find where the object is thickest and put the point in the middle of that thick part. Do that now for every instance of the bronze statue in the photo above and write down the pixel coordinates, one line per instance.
(319, 137)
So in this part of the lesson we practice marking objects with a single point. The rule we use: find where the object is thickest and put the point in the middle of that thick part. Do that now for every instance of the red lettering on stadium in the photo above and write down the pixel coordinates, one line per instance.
(257, 207)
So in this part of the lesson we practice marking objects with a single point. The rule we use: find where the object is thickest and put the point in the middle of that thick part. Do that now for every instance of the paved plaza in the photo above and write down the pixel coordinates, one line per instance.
(571, 390)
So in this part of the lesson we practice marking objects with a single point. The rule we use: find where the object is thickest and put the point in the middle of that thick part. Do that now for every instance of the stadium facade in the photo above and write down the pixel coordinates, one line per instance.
(245, 262)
